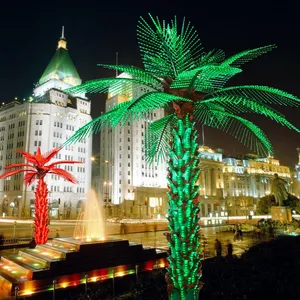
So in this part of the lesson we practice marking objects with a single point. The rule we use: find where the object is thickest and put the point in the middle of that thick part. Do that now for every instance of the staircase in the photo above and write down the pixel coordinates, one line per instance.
(68, 261)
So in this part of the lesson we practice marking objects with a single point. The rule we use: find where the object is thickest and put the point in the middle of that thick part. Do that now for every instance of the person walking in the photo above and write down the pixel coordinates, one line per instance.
(218, 248)
(229, 249)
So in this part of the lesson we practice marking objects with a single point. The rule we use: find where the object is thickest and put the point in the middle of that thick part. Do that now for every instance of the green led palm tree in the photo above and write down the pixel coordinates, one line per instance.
(188, 83)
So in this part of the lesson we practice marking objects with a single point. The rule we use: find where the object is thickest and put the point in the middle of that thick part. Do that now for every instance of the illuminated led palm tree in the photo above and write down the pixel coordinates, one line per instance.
(188, 83)
(36, 168)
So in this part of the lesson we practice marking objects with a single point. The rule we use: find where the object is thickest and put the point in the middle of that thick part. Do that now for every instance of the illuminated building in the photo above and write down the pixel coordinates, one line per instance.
(296, 177)
(234, 185)
(249, 178)
(211, 180)
(47, 120)
(129, 186)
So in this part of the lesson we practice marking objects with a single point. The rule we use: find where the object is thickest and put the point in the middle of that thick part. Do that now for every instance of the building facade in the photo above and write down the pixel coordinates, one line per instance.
(296, 177)
(47, 120)
(128, 186)
(233, 186)
(211, 180)
(248, 179)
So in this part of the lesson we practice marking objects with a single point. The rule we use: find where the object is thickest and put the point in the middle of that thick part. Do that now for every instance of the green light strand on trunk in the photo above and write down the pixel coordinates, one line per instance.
(184, 271)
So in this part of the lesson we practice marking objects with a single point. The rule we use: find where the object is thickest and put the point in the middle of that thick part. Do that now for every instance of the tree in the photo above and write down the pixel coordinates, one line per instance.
(36, 168)
(189, 84)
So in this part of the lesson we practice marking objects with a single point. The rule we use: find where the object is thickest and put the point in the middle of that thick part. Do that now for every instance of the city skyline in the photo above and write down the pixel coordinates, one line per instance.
(94, 36)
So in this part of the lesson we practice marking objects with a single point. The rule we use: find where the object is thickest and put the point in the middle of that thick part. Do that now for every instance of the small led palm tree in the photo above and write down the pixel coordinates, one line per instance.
(188, 83)
(36, 168)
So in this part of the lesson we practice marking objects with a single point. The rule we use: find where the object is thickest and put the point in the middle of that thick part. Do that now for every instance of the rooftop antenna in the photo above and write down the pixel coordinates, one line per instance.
(202, 135)
(117, 64)
(63, 32)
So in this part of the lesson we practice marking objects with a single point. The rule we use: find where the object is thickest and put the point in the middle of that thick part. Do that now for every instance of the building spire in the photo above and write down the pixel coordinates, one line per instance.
(62, 43)
(63, 32)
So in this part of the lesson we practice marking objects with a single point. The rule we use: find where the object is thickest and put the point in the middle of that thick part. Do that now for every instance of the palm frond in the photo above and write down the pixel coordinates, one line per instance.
(130, 110)
(153, 100)
(243, 130)
(64, 174)
(166, 49)
(116, 86)
(29, 157)
(157, 138)
(18, 166)
(205, 78)
(136, 73)
(264, 94)
(60, 162)
(238, 105)
(29, 177)
(49, 155)
(211, 57)
(11, 173)
(245, 56)
(111, 118)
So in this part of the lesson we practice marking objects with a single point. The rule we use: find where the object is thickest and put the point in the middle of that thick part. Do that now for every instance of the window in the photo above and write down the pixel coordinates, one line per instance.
(36, 132)
(128, 181)
(128, 172)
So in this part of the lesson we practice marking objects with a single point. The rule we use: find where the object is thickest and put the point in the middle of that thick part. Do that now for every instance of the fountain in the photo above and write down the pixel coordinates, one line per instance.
(85, 257)
(90, 226)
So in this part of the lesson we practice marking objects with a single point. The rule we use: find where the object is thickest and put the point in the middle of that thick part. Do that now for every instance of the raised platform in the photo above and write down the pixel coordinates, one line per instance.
(281, 213)
(71, 262)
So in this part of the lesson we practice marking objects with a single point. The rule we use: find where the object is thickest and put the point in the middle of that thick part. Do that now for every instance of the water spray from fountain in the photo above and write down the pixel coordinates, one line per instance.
(90, 223)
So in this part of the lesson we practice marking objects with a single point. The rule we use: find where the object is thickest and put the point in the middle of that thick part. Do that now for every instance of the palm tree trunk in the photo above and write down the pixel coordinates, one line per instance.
(41, 212)
(184, 271)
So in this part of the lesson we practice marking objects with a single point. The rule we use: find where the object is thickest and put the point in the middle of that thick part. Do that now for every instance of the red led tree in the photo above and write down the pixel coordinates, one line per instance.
(36, 168)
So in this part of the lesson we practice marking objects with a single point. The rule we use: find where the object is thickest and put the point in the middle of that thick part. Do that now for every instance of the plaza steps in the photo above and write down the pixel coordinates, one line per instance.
(68, 261)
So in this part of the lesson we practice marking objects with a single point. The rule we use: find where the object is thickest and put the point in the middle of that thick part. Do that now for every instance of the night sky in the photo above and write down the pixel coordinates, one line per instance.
(96, 30)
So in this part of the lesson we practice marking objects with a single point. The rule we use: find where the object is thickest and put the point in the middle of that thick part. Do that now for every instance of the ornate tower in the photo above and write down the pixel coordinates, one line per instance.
(60, 72)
